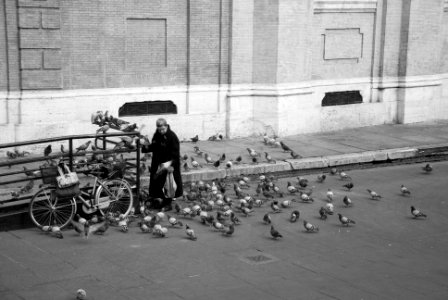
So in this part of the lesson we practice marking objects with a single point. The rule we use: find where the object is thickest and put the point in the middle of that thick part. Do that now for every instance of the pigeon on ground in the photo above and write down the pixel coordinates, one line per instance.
(285, 147)
(229, 231)
(321, 178)
(417, 213)
(348, 186)
(47, 150)
(190, 233)
(195, 139)
(347, 201)
(274, 233)
(330, 195)
(295, 155)
(310, 227)
(345, 221)
(267, 218)
(269, 158)
(427, 168)
(253, 153)
(374, 195)
(275, 207)
(344, 176)
(405, 191)
(323, 213)
(294, 216)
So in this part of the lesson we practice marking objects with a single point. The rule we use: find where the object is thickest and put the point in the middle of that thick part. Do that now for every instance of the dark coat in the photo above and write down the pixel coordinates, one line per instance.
(164, 148)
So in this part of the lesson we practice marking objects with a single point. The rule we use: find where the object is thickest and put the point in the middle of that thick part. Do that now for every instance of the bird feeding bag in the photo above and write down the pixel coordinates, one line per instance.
(66, 178)
(170, 187)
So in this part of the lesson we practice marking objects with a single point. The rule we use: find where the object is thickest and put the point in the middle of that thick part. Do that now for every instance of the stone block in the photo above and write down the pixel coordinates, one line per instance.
(41, 3)
(51, 19)
(203, 175)
(380, 155)
(344, 159)
(29, 18)
(31, 59)
(52, 59)
(308, 163)
(36, 38)
(402, 153)
(41, 79)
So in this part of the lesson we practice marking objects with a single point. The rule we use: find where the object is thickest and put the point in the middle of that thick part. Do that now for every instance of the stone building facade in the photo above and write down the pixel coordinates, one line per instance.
(236, 67)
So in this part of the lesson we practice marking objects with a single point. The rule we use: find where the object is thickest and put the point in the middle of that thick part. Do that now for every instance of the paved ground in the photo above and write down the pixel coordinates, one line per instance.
(386, 255)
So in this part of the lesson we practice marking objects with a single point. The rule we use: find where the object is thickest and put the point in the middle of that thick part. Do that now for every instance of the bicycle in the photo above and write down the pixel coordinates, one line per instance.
(108, 195)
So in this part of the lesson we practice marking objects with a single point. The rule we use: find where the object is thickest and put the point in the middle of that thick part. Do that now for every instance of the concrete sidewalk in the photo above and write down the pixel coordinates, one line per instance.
(372, 144)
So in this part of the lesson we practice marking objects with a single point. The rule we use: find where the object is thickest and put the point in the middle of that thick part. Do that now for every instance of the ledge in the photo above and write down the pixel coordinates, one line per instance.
(346, 6)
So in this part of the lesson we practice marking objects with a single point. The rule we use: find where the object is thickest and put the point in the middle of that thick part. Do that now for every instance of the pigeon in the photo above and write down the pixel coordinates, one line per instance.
(195, 139)
(253, 153)
(417, 213)
(286, 203)
(217, 163)
(238, 159)
(348, 186)
(78, 226)
(160, 231)
(347, 201)
(330, 195)
(291, 188)
(303, 182)
(99, 228)
(295, 155)
(323, 213)
(194, 163)
(218, 226)
(427, 168)
(173, 221)
(28, 172)
(186, 167)
(310, 227)
(208, 159)
(190, 233)
(274, 233)
(345, 221)
(333, 171)
(275, 207)
(230, 230)
(47, 150)
(294, 216)
(83, 147)
(81, 294)
(267, 218)
(234, 219)
(229, 164)
(374, 195)
(269, 158)
(55, 231)
(321, 178)
(330, 208)
(285, 147)
(344, 176)
(223, 157)
(405, 191)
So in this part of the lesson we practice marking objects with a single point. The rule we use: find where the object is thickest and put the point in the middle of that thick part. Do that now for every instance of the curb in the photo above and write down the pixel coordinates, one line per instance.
(321, 162)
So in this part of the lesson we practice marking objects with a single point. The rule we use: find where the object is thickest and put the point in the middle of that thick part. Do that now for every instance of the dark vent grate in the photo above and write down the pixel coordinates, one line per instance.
(342, 98)
(147, 108)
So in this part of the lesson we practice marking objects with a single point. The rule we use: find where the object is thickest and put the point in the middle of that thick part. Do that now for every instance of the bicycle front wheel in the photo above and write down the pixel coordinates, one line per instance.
(48, 210)
(114, 196)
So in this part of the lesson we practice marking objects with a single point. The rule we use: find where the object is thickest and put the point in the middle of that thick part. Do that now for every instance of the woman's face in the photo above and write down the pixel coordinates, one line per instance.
(162, 127)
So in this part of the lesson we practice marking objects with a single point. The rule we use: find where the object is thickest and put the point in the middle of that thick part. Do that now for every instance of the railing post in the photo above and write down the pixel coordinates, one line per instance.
(70, 153)
(137, 142)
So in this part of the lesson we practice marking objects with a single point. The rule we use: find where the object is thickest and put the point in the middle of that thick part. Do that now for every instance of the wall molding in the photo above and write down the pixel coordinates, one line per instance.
(238, 90)
(345, 6)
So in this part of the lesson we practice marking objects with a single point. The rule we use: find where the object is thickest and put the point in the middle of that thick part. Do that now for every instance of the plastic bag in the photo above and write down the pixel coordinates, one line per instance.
(66, 178)
(170, 187)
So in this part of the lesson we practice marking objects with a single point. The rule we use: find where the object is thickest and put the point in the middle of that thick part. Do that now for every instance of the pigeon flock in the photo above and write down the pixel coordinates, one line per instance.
(223, 203)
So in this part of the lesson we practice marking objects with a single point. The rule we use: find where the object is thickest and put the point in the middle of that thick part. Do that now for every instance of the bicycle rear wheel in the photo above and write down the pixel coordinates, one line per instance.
(46, 209)
(114, 196)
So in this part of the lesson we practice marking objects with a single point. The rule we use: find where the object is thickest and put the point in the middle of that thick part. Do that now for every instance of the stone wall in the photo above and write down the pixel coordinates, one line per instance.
(237, 67)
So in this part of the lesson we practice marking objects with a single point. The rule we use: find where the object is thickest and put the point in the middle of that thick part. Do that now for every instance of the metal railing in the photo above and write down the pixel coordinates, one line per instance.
(11, 175)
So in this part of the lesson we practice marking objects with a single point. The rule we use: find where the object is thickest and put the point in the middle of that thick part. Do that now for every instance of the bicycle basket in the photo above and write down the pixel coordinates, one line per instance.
(49, 174)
